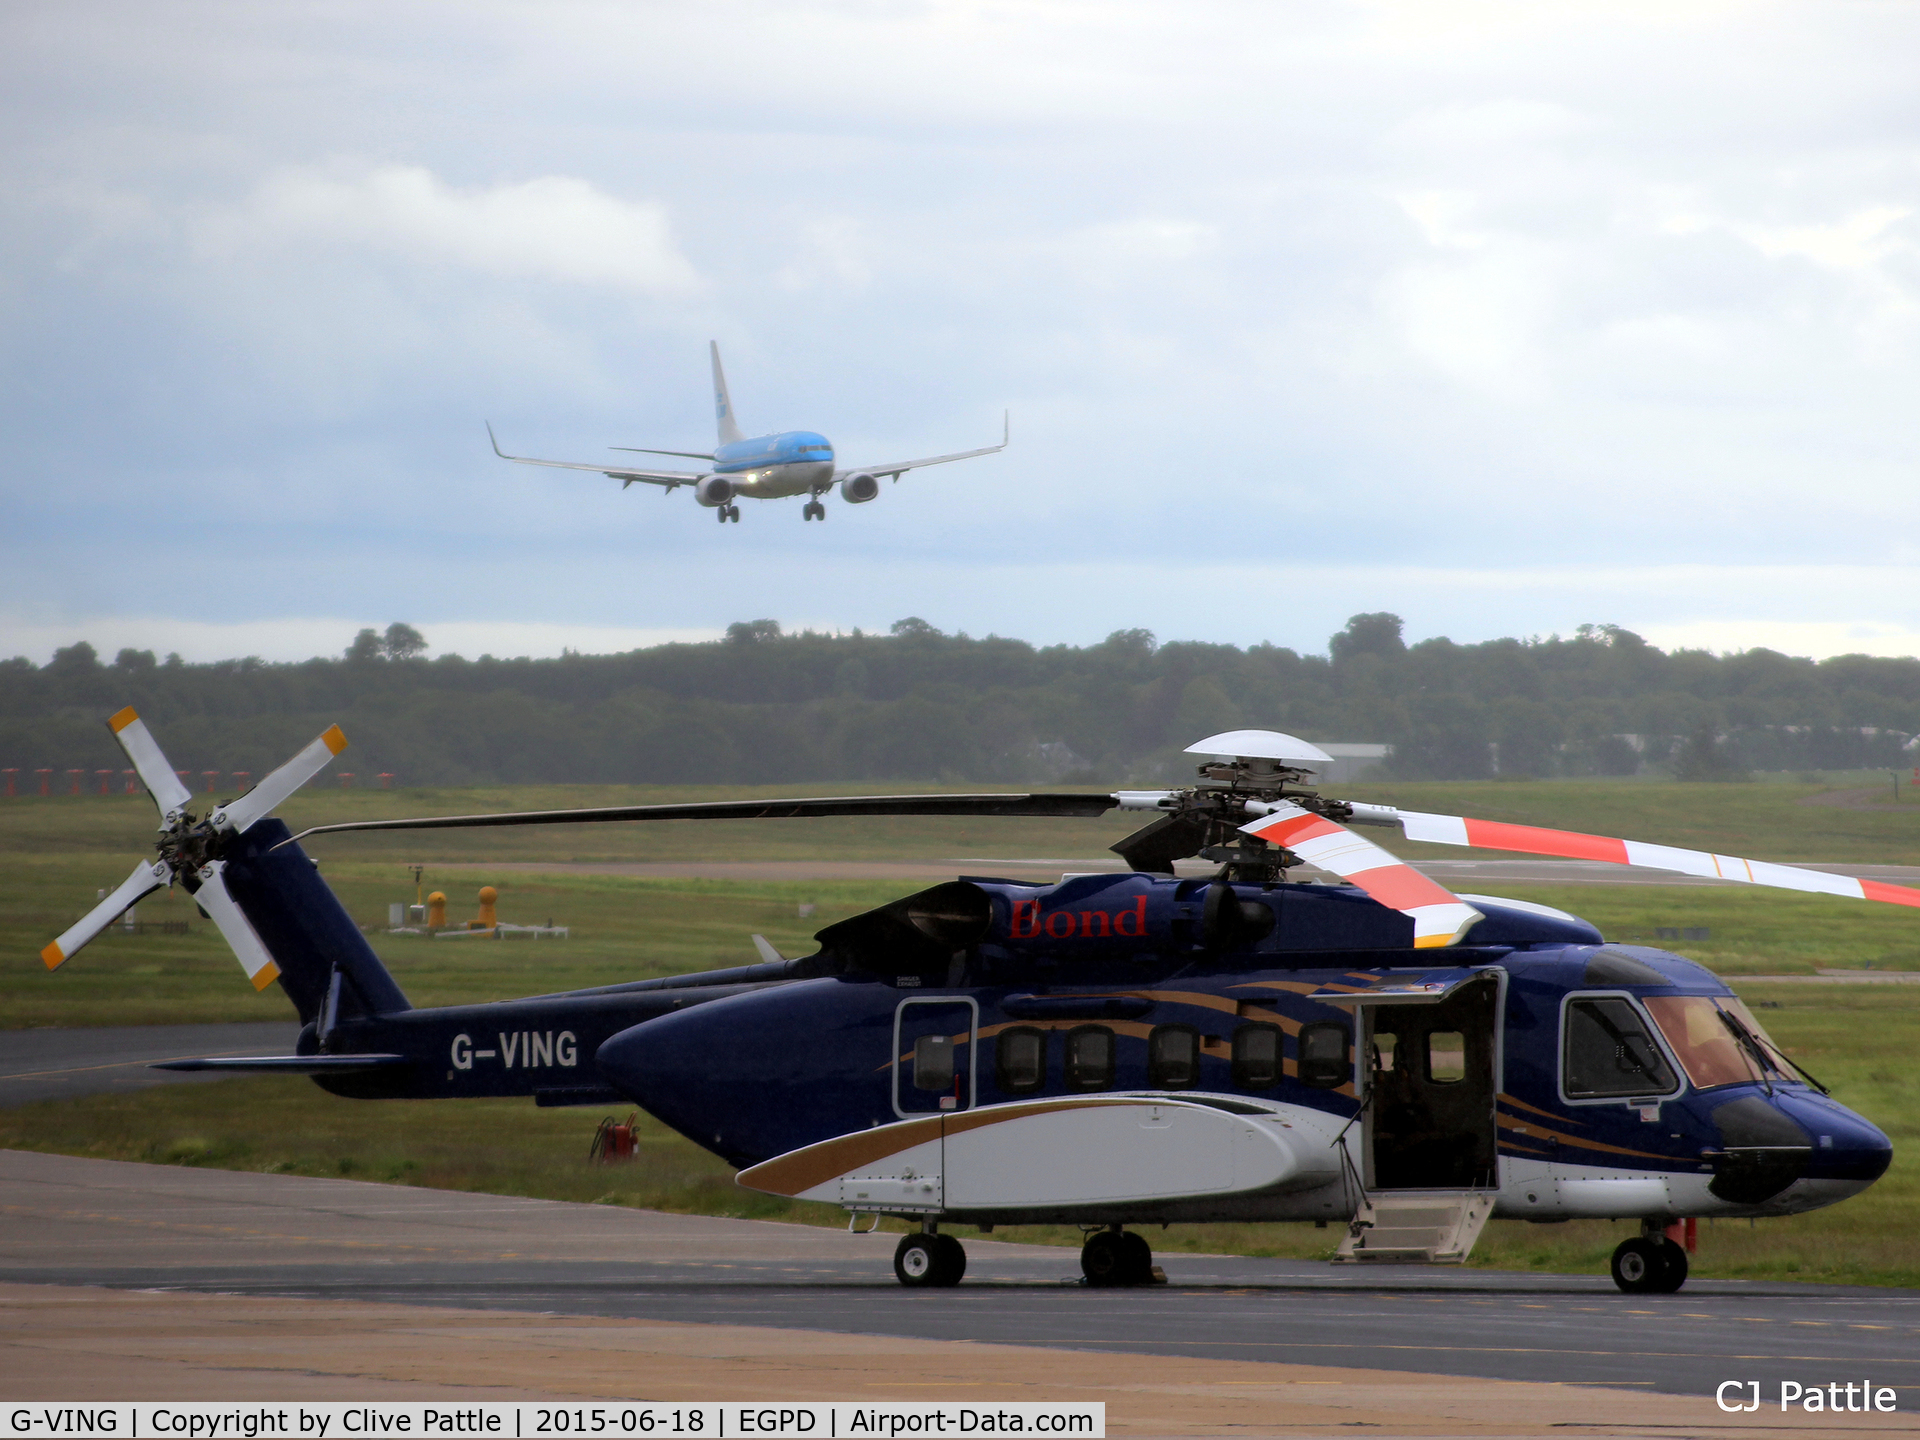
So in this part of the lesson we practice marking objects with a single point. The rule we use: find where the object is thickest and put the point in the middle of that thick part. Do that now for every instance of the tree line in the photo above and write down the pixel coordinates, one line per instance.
(762, 706)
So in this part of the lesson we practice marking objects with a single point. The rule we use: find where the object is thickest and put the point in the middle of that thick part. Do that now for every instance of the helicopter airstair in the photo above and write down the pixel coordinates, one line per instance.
(1420, 1227)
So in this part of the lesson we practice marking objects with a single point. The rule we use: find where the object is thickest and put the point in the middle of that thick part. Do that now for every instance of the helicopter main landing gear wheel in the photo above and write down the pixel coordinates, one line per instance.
(814, 511)
(922, 1260)
(1649, 1265)
(1116, 1257)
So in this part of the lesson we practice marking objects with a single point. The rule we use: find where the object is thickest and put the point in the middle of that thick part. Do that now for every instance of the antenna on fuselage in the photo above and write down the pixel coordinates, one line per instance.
(722, 402)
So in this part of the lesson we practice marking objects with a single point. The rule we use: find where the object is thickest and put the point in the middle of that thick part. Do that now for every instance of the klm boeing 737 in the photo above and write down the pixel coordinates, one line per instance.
(766, 467)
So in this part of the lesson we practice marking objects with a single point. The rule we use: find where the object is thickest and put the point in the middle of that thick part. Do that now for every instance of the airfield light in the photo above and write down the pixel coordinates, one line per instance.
(9, 774)
(76, 775)
(46, 781)
(346, 779)
(133, 781)
(212, 777)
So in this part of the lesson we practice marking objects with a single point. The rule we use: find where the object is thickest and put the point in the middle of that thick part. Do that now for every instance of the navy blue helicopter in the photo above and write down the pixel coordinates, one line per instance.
(1117, 1049)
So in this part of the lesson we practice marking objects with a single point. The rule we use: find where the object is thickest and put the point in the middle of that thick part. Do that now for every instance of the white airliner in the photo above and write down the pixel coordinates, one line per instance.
(766, 467)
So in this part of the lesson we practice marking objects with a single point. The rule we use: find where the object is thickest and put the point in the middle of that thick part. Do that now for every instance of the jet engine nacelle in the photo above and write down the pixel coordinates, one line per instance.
(713, 491)
(858, 489)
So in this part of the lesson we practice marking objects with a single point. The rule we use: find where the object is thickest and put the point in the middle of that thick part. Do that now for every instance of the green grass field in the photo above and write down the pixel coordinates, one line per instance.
(60, 851)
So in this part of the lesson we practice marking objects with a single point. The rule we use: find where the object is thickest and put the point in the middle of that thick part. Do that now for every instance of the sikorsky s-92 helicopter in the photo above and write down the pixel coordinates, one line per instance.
(1117, 1049)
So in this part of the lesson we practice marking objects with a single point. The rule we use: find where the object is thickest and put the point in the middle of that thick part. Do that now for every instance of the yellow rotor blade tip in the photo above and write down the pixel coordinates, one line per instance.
(53, 955)
(125, 718)
(336, 739)
(269, 973)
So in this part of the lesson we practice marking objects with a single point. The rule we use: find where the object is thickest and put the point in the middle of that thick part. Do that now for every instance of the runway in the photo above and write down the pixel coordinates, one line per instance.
(75, 1222)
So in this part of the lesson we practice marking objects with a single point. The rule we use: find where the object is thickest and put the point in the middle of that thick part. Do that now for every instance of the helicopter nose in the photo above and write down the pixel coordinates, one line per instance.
(1843, 1145)
(674, 1067)
(1791, 1142)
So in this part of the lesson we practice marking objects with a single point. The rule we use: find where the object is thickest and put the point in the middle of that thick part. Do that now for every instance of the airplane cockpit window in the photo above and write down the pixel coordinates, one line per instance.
(1609, 1052)
(1256, 1057)
(1173, 1057)
(933, 1062)
(1020, 1060)
(1326, 1062)
(1711, 1051)
(1090, 1058)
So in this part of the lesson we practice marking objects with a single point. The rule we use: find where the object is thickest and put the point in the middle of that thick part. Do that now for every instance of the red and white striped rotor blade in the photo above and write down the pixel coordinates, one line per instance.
(1572, 845)
(239, 815)
(147, 877)
(1439, 916)
(238, 931)
(152, 767)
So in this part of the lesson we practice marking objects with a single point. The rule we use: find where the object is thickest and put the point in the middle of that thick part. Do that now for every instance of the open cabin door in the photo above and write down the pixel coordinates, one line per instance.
(1429, 1056)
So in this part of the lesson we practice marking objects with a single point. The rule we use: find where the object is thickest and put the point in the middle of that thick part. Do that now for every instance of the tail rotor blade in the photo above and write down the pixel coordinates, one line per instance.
(1572, 845)
(1439, 916)
(146, 878)
(240, 935)
(261, 800)
(154, 771)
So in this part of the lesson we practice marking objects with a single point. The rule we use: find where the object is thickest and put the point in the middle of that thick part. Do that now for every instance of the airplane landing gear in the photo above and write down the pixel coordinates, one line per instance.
(814, 511)
(1116, 1257)
(929, 1259)
(1649, 1265)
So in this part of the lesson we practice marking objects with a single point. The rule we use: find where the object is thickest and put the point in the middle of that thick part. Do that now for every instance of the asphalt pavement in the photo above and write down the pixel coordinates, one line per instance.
(80, 1222)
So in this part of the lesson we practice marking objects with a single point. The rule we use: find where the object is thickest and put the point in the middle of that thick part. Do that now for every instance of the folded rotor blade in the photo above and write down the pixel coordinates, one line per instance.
(147, 877)
(1067, 806)
(152, 767)
(239, 815)
(1439, 916)
(234, 925)
(1572, 845)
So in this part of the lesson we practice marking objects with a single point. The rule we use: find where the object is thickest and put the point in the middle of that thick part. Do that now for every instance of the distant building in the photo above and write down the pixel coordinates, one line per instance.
(1351, 760)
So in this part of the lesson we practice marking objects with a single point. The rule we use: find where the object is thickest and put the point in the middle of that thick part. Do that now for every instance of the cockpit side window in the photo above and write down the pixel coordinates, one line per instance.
(1609, 1052)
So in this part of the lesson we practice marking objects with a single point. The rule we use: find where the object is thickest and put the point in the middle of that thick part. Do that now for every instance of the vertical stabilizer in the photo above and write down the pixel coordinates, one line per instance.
(722, 402)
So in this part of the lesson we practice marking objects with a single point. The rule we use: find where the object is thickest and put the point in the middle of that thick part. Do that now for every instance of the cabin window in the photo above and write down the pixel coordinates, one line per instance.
(1326, 1061)
(1385, 1046)
(1090, 1058)
(1446, 1057)
(1256, 1057)
(1020, 1060)
(1173, 1057)
(933, 1062)
(1608, 1052)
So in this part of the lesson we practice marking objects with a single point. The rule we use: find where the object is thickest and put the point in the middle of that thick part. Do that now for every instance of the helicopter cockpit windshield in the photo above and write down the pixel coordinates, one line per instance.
(1713, 1051)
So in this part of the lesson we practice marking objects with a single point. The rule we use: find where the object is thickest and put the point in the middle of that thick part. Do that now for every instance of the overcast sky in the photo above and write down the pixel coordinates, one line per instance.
(1505, 317)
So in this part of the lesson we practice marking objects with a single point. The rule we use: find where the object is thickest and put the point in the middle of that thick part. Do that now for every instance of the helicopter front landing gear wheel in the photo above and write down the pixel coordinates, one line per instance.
(814, 511)
(1649, 1265)
(1116, 1257)
(927, 1260)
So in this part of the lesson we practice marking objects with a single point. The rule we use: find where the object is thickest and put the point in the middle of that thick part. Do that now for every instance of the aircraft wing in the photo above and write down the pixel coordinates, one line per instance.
(671, 479)
(897, 468)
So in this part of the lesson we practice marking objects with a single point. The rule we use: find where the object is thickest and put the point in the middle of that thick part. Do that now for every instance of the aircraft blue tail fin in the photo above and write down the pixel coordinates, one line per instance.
(305, 928)
(722, 402)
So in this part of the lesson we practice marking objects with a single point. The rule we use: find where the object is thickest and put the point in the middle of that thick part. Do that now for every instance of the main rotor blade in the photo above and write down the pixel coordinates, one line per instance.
(152, 767)
(1060, 806)
(238, 931)
(1439, 916)
(147, 877)
(239, 815)
(1572, 845)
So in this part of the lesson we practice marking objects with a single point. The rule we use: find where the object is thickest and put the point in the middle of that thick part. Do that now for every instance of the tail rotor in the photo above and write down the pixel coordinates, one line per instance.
(192, 850)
